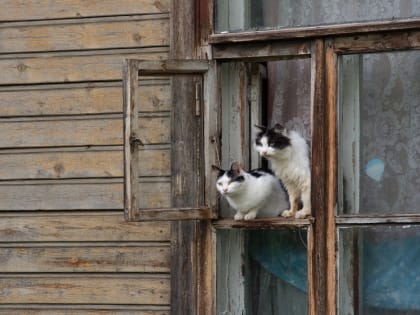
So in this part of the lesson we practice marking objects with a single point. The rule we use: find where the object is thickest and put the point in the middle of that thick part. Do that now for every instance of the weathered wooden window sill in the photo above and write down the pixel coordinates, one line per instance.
(266, 223)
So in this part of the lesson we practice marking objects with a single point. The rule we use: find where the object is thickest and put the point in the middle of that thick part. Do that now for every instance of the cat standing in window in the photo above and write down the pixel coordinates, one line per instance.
(288, 153)
(257, 193)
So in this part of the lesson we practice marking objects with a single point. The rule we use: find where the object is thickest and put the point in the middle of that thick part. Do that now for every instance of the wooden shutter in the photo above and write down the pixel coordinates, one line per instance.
(193, 139)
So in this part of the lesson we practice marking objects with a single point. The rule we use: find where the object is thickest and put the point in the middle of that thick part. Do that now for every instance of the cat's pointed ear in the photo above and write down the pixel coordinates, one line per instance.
(262, 128)
(236, 168)
(278, 128)
(216, 168)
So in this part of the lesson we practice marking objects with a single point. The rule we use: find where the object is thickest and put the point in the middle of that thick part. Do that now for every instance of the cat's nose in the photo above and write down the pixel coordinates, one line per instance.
(263, 153)
(225, 190)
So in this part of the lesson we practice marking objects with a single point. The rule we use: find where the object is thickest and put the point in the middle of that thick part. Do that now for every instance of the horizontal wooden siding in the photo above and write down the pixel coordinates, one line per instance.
(64, 245)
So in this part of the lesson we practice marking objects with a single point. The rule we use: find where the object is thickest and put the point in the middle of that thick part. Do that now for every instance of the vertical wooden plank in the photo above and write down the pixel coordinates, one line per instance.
(317, 258)
(130, 85)
(231, 290)
(186, 140)
(187, 188)
(204, 27)
(331, 174)
(206, 271)
(211, 136)
(183, 264)
(184, 267)
(182, 31)
(255, 98)
(230, 295)
(206, 251)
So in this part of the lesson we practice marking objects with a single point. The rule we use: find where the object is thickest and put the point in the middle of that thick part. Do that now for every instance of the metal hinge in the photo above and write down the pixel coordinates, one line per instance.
(135, 141)
(198, 99)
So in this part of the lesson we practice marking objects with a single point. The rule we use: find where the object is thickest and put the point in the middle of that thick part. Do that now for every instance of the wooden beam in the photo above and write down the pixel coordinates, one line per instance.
(315, 31)
(172, 214)
(378, 42)
(261, 50)
(331, 174)
(272, 223)
(377, 220)
(130, 103)
(317, 284)
(171, 67)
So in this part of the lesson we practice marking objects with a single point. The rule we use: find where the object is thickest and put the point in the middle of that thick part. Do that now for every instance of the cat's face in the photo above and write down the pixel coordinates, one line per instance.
(230, 181)
(270, 141)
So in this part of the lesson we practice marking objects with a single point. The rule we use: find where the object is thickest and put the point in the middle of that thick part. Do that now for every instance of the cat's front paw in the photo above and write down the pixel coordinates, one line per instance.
(238, 216)
(301, 214)
(250, 216)
(287, 213)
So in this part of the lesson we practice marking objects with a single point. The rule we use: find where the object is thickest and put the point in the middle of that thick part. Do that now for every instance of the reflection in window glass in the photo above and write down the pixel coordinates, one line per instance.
(262, 272)
(379, 270)
(241, 15)
(379, 133)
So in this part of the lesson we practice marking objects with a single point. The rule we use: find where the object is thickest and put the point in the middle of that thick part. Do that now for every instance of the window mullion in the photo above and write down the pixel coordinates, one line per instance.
(319, 254)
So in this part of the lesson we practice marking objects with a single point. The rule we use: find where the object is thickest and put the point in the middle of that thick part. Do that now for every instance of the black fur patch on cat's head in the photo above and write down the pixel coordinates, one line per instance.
(261, 172)
(276, 136)
(234, 173)
(220, 171)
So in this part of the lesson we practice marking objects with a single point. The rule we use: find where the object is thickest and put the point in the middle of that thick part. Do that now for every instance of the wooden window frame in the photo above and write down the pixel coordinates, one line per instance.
(324, 44)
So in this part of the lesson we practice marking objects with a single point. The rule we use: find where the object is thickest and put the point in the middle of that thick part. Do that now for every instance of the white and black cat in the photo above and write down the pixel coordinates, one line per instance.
(288, 153)
(257, 193)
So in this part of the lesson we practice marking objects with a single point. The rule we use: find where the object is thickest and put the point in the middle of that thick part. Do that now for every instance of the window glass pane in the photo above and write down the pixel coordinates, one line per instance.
(241, 15)
(379, 270)
(262, 272)
(379, 133)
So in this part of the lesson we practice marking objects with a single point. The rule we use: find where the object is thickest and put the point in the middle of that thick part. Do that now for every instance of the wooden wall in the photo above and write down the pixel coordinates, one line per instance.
(64, 245)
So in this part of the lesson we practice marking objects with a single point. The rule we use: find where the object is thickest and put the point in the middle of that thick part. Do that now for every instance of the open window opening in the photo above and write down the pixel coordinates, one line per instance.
(261, 94)
(262, 264)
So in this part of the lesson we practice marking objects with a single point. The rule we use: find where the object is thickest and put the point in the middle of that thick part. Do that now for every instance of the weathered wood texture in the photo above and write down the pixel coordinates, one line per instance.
(86, 289)
(71, 66)
(78, 131)
(255, 51)
(96, 33)
(14, 10)
(78, 194)
(317, 288)
(79, 310)
(331, 173)
(109, 257)
(65, 247)
(315, 31)
(76, 99)
(78, 163)
(80, 227)
(184, 264)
